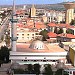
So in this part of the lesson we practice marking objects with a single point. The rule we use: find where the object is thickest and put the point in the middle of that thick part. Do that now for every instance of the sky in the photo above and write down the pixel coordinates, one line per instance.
(9, 2)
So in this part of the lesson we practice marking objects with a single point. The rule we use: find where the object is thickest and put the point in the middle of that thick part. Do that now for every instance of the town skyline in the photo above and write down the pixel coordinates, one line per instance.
(9, 2)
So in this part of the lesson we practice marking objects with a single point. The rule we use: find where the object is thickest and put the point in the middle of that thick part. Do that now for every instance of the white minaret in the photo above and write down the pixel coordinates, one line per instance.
(13, 29)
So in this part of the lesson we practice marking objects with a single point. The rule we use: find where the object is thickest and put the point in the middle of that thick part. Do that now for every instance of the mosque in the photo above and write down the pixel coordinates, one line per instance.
(37, 52)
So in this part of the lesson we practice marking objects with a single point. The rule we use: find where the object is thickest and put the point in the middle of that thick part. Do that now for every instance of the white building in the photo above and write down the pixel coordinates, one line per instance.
(37, 52)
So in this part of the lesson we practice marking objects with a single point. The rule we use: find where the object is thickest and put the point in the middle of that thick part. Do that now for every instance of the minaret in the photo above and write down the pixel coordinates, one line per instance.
(13, 29)
(69, 11)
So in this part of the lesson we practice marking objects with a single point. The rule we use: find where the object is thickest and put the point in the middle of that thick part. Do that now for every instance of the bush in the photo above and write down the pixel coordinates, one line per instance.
(19, 71)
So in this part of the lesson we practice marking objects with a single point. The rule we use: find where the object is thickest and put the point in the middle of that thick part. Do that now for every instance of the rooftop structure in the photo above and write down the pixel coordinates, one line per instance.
(69, 5)
(38, 45)
(69, 11)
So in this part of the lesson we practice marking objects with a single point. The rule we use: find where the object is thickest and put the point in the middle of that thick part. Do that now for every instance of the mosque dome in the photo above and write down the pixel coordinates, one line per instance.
(39, 45)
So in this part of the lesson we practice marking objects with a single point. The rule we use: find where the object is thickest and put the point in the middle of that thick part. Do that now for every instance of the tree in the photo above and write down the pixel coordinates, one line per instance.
(59, 72)
(48, 70)
(30, 68)
(44, 34)
(60, 31)
(72, 22)
(19, 71)
(37, 69)
(4, 54)
(7, 40)
(69, 31)
(65, 73)
(3, 15)
(56, 31)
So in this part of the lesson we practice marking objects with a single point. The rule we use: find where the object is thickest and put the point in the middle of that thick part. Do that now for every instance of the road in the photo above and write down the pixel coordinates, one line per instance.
(4, 26)
(4, 68)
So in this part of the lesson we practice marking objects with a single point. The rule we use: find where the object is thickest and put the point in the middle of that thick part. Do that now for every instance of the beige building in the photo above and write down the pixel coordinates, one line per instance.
(59, 17)
(32, 11)
(27, 36)
(44, 19)
(69, 12)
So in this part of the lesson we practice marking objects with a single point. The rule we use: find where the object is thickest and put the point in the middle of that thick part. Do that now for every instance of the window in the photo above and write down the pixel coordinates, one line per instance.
(17, 34)
(27, 37)
(32, 34)
(27, 34)
(22, 37)
(70, 72)
(32, 37)
(22, 34)
(36, 33)
(73, 72)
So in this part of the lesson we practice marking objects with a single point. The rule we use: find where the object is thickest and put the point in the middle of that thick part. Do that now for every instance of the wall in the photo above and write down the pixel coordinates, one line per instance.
(71, 55)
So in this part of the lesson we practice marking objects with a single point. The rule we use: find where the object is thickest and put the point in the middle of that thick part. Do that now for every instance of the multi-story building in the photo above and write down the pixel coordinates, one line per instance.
(72, 54)
(55, 16)
(69, 12)
(26, 36)
(33, 11)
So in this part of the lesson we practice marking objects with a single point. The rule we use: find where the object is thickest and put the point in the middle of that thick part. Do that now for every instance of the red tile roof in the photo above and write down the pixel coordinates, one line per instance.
(20, 25)
(60, 25)
(52, 35)
(40, 23)
(52, 24)
(71, 36)
(20, 12)
(63, 25)
(40, 26)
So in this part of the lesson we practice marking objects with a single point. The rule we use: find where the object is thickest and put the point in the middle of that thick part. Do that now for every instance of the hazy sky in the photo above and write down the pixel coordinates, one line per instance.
(9, 2)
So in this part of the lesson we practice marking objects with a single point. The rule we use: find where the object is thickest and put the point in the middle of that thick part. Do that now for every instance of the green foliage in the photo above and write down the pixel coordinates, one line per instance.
(65, 73)
(4, 54)
(69, 31)
(44, 34)
(7, 40)
(59, 72)
(56, 31)
(37, 69)
(30, 68)
(19, 71)
(60, 31)
(72, 22)
(3, 15)
(48, 70)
